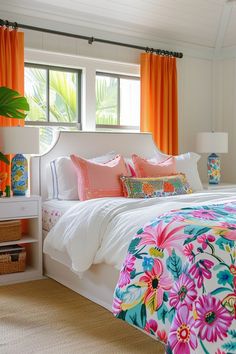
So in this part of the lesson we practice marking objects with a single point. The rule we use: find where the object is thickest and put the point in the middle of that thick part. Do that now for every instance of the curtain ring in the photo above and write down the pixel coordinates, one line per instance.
(146, 49)
(90, 40)
(15, 26)
(7, 23)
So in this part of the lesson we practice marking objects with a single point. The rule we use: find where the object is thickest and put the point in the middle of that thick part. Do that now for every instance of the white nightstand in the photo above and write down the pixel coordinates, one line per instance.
(25, 208)
(219, 186)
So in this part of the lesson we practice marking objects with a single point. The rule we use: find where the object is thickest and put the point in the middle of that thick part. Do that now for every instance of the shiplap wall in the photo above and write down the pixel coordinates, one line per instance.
(225, 113)
(194, 77)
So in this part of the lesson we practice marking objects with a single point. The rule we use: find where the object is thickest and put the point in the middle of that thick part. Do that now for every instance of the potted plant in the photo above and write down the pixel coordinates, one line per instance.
(12, 105)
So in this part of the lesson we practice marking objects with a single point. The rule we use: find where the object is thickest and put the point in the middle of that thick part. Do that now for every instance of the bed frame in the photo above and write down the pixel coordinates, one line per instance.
(98, 283)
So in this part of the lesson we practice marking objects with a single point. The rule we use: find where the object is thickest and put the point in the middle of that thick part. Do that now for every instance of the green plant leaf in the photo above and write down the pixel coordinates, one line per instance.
(162, 313)
(12, 104)
(137, 316)
(232, 333)
(134, 243)
(195, 230)
(3, 158)
(174, 265)
(230, 346)
(220, 290)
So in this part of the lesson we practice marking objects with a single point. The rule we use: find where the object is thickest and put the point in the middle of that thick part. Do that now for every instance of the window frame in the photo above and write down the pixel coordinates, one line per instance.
(117, 126)
(48, 67)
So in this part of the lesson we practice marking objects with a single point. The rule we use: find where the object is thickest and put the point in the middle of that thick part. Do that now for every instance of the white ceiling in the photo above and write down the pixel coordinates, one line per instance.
(206, 23)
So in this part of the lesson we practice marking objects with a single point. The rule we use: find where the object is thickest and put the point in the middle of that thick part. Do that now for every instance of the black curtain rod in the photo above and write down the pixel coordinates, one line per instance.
(90, 39)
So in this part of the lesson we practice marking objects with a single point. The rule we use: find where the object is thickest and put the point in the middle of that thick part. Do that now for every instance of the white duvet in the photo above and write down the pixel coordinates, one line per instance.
(100, 230)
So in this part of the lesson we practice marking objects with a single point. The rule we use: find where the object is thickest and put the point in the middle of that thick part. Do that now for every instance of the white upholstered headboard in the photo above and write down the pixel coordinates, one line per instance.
(88, 145)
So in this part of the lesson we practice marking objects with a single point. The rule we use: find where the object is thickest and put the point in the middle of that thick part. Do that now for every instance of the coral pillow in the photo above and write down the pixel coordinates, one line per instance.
(145, 168)
(99, 180)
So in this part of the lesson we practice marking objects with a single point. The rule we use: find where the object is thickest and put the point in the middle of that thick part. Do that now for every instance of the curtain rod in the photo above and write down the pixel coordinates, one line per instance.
(91, 39)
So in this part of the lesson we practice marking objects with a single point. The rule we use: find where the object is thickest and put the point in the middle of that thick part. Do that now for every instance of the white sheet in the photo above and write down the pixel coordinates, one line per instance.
(53, 209)
(100, 230)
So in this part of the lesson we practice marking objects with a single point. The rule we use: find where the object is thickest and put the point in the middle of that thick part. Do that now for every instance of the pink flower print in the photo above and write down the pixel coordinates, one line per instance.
(127, 268)
(230, 234)
(151, 326)
(163, 236)
(204, 214)
(116, 306)
(162, 335)
(182, 336)
(200, 270)
(183, 292)
(230, 230)
(213, 319)
(220, 352)
(188, 251)
(157, 281)
(203, 239)
(230, 209)
(178, 217)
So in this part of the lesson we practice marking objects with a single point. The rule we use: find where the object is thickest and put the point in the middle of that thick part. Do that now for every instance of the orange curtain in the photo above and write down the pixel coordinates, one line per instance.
(11, 74)
(159, 108)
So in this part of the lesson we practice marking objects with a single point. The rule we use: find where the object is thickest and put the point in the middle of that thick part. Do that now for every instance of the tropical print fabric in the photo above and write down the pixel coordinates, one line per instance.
(178, 280)
(151, 187)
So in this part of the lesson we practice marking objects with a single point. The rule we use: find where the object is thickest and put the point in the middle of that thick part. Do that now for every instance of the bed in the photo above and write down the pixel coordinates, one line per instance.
(91, 264)
(98, 283)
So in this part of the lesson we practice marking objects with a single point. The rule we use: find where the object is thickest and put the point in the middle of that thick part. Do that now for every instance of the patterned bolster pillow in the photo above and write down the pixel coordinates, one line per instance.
(151, 187)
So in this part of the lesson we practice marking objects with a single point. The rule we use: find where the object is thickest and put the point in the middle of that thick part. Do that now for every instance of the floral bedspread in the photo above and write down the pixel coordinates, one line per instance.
(178, 281)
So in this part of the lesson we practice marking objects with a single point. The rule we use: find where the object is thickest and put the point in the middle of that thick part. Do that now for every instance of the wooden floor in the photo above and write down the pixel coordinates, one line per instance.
(45, 317)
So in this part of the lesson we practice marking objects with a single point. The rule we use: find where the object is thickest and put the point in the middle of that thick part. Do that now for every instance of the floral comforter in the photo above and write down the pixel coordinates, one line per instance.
(178, 281)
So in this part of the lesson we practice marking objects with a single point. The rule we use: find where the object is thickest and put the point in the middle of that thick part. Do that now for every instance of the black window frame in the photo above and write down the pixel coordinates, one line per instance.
(118, 126)
(78, 72)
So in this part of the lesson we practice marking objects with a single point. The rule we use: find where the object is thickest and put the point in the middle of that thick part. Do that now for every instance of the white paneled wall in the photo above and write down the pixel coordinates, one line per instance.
(225, 108)
(194, 75)
(195, 103)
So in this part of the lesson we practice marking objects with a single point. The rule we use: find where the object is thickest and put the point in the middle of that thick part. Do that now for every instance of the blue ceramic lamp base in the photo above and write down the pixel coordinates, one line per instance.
(213, 169)
(19, 175)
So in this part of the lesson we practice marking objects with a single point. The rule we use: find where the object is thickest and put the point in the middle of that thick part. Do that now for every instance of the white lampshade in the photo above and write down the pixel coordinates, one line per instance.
(19, 140)
(212, 142)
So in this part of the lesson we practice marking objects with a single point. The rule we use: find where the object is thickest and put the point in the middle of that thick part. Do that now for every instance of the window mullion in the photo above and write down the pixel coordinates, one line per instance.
(79, 100)
(118, 101)
(47, 96)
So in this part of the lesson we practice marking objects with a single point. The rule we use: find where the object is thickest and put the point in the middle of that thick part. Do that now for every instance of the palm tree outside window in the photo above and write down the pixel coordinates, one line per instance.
(117, 101)
(54, 96)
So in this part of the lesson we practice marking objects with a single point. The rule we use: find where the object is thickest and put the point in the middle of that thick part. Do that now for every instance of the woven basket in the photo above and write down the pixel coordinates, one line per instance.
(12, 261)
(10, 230)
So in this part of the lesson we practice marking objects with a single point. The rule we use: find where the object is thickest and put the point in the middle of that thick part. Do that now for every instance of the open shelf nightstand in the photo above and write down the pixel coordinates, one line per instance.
(25, 208)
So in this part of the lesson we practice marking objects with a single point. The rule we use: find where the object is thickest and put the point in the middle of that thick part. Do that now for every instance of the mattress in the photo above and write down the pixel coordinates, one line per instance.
(100, 230)
(52, 210)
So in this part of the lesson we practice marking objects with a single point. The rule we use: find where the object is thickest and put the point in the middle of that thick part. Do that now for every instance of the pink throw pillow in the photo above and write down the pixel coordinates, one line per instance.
(97, 180)
(144, 168)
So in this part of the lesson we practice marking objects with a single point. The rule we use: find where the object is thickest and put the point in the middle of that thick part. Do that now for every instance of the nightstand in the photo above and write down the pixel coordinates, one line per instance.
(25, 208)
(219, 186)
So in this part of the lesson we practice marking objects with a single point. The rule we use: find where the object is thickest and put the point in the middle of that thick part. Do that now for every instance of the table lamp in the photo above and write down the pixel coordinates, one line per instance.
(18, 141)
(213, 142)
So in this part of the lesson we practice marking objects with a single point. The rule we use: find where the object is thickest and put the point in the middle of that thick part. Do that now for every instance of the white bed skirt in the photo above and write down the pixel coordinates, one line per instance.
(97, 284)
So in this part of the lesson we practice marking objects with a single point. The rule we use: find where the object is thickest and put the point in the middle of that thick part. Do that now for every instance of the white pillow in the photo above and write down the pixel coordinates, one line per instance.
(62, 178)
(187, 164)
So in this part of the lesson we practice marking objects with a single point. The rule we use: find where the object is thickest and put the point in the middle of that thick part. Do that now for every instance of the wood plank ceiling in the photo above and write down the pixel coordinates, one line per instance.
(206, 23)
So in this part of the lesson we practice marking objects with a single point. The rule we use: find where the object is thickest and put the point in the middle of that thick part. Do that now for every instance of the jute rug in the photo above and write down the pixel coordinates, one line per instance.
(45, 317)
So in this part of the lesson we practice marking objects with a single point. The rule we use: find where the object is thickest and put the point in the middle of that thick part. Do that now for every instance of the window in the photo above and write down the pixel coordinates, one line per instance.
(117, 101)
(54, 96)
